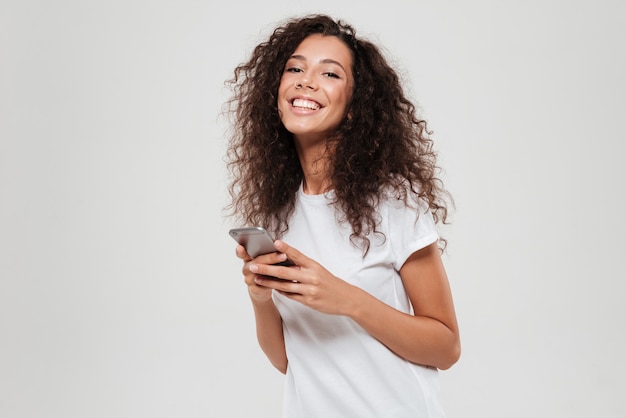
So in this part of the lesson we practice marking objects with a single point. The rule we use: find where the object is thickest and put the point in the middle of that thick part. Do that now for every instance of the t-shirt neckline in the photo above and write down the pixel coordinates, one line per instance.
(322, 197)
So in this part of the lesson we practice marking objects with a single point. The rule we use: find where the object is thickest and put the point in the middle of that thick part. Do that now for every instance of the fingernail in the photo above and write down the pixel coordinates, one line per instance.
(253, 268)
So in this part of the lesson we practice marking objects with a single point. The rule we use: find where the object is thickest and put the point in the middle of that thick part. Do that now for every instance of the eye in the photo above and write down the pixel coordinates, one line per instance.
(293, 70)
(330, 74)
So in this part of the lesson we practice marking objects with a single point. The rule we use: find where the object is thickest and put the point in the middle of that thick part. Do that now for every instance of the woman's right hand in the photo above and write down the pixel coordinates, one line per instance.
(269, 324)
(258, 293)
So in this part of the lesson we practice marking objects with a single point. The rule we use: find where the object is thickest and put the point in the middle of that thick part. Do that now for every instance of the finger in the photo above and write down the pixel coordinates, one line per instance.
(289, 274)
(241, 253)
(271, 258)
(249, 276)
(293, 254)
(282, 286)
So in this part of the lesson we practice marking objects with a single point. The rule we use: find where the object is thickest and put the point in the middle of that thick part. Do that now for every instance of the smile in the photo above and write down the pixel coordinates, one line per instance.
(305, 104)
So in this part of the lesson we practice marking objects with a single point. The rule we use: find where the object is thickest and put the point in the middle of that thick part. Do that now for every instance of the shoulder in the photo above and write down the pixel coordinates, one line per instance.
(406, 221)
(400, 195)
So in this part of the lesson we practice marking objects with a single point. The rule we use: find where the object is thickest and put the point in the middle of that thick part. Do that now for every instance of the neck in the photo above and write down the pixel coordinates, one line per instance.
(315, 184)
(315, 163)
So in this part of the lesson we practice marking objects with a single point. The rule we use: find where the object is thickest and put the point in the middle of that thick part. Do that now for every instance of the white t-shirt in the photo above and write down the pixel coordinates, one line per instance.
(335, 368)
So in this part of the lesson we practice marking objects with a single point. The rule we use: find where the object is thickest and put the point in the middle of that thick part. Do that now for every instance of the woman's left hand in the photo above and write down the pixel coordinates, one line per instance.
(308, 282)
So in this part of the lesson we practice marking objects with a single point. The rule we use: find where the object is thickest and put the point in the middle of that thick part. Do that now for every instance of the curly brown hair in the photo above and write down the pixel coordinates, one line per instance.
(383, 146)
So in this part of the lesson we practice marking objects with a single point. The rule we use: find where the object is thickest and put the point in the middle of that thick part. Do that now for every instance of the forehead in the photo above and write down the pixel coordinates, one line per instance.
(319, 48)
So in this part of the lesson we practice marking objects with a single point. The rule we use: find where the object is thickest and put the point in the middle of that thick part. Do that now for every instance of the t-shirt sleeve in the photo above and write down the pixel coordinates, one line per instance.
(409, 232)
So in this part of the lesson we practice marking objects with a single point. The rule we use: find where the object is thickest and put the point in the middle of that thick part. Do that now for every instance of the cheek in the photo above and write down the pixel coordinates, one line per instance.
(344, 99)
(341, 94)
(280, 101)
(282, 90)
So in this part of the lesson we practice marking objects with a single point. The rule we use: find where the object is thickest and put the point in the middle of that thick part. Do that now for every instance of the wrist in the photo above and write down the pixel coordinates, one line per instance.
(357, 303)
(261, 300)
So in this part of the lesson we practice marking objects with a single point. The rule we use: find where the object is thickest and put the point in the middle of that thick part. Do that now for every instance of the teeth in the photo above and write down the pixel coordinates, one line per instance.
(307, 104)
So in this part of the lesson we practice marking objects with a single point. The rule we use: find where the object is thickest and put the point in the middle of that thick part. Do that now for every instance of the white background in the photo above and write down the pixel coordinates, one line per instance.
(120, 295)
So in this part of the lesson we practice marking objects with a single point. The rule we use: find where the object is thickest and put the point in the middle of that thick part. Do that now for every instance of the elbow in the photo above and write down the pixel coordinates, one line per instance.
(452, 356)
(281, 367)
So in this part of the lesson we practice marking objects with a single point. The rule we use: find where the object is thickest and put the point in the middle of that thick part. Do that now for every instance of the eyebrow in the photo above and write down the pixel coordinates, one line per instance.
(324, 61)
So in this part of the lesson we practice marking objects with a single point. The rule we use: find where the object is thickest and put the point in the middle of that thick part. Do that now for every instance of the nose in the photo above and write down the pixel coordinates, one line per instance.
(306, 81)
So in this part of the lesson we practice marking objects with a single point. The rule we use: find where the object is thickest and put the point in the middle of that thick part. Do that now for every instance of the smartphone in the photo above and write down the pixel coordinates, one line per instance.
(257, 242)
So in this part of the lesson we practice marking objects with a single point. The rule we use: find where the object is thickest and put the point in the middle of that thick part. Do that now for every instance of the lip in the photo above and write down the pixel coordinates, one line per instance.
(307, 98)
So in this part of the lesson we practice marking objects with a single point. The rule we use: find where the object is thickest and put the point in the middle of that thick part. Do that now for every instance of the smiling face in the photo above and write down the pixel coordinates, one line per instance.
(316, 87)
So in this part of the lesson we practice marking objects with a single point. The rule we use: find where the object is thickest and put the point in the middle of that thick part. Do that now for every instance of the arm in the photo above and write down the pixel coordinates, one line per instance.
(429, 337)
(269, 331)
(269, 324)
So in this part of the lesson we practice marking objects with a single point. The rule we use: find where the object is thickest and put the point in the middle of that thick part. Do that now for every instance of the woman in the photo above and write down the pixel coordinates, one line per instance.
(328, 154)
